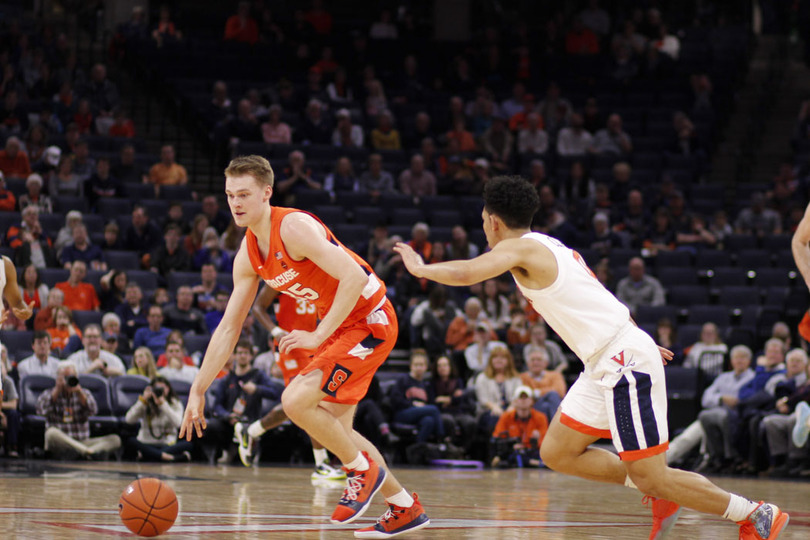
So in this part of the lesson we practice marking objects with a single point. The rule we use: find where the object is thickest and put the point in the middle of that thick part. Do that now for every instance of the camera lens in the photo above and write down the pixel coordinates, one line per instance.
(72, 381)
(157, 391)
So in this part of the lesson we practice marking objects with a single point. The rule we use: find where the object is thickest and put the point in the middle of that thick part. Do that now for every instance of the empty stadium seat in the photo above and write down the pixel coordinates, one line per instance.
(700, 314)
(18, 343)
(103, 421)
(124, 392)
(687, 295)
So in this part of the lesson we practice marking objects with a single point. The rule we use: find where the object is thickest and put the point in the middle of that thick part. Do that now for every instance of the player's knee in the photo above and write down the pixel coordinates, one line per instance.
(291, 403)
(553, 454)
(649, 483)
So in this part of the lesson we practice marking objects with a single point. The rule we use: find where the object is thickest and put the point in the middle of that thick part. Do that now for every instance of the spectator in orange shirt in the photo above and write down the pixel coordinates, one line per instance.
(7, 199)
(466, 142)
(63, 329)
(519, 432)
(13, 161)
(78, 294)
(548, 386)
(581, 40)
(242, 27)
(167, 172)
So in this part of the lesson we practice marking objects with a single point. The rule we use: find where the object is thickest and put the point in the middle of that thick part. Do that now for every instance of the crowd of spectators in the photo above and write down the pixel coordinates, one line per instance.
(614, 180)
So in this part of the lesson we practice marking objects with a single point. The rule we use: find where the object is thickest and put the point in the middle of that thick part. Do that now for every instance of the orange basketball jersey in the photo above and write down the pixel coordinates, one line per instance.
(304, 279)
(296, 314)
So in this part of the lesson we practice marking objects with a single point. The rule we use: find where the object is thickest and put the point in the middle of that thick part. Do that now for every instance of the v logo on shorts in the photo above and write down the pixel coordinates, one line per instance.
(619, 358)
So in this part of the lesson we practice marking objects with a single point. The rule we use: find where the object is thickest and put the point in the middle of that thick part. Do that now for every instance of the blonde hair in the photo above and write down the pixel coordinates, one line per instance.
(510, 370)
(253, 165)
(151, 368)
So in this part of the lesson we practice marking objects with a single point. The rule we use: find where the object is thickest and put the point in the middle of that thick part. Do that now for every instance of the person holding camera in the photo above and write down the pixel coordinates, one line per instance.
(519, 432)
(160, 412)
(67, 408)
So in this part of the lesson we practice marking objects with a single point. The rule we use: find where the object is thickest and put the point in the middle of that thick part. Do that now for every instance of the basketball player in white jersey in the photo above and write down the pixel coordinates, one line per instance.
(621, 394)
(12, 295)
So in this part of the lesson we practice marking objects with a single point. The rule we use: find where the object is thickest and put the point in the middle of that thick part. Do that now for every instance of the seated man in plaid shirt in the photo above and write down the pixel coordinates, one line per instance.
(67, 408)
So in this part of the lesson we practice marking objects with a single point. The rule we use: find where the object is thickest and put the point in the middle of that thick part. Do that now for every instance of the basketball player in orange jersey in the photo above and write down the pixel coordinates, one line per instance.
(296, 254)
(12, 295)
(292, 313)
(622, 392)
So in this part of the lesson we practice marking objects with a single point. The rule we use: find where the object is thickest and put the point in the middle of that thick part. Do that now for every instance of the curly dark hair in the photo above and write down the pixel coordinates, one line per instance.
(513, 199)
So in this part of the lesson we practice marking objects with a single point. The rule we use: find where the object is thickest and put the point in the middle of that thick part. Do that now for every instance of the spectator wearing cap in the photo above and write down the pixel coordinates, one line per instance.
(574, 140)
(34, 196)
(47, 164)
(385, 136)
(241, 27)
(274, 131)
(315, 129)
(346, 134)
(612, 139)
(167, 172)
(111, 328)
(532, 139)
(13, 161)
(416, 181)
(524, 426)
(81, 249)
(8, 202)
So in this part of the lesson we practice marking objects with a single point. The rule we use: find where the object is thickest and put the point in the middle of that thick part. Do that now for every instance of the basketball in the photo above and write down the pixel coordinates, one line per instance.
(148, 507)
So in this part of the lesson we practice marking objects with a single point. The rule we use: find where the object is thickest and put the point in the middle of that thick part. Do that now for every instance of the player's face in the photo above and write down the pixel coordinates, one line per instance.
(247, 199)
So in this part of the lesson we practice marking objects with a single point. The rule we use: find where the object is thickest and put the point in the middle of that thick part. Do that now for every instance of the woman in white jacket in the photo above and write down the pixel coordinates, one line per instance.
(160, 412)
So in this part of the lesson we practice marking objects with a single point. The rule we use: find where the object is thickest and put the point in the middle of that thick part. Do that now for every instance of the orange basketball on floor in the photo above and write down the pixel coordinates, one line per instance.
(148, 507)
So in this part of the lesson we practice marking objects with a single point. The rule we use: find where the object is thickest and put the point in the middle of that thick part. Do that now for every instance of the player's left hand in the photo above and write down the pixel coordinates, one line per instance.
(666, 354)
(299, 339)
(412, 260)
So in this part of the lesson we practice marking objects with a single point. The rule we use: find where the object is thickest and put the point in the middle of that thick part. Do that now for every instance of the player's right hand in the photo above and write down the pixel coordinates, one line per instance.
(194, 416)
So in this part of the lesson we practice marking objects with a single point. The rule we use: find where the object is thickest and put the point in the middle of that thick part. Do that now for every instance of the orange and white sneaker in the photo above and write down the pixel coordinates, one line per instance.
(397, 520)
(764, 523)
(665, 514)
(361, 486)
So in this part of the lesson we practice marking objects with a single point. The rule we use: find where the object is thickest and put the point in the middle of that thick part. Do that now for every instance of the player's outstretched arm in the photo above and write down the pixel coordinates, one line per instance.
(305, 238)
(12, 293)
(245, 284)
(799, 245)
(503, 257)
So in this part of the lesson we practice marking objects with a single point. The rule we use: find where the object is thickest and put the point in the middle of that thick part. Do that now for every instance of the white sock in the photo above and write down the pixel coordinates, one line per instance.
(320, 455)
(629, 483)
(402, 499)
(739, 508)
(256, 430)
(360, 463)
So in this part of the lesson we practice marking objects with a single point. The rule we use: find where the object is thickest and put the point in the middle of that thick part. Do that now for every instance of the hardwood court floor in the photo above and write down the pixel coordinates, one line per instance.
(78, 500)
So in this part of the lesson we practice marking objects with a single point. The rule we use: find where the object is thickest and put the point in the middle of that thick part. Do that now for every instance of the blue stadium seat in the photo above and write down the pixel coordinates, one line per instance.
(753, 258)
(687, 295)
(772, 277)
(124, 392)
(677, 276)
(110, 209)
(177, 279)
(722, 277)
(700, 314)
(709, 259)
(181, 388)
(737, 296)
(669, 259)
(121, 260)
(370, 216)
(175, 193)
(652, 314)
(18, 343)
(83, 318)
(31, 387)
(103, 421)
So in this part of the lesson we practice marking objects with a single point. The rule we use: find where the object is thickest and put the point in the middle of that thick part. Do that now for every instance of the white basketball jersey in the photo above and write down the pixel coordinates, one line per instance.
(576, 306)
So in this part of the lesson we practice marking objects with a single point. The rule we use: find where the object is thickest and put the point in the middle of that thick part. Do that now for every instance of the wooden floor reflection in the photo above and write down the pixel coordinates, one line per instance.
(51, 500)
